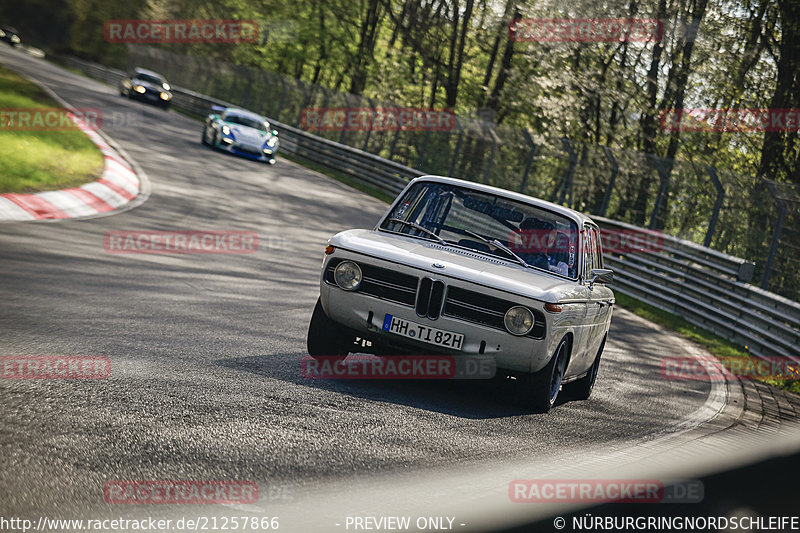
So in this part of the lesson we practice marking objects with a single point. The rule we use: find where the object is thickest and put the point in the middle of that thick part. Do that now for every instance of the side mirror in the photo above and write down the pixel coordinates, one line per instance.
(602, 275)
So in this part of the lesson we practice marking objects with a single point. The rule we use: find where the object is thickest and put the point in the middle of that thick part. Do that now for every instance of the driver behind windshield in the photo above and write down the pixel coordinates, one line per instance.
(538, 242)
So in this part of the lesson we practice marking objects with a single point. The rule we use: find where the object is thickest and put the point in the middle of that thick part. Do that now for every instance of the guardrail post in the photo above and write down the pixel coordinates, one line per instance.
(662, 189)
(611, 182)
(425, 141)
(303, 105)
(246, 95)
(776, 235)
(529, 163)
(394, 141)
(566, 181)
(717, 204)
(457, 151)
(490, 163)
(371, 122)
(324, 104)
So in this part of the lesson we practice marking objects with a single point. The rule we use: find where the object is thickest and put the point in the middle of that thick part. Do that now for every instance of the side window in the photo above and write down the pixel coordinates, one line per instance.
(598, 258)
(588, 252)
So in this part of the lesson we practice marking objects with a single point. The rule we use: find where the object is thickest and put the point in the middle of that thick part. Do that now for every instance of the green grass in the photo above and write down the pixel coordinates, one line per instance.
(45, 160)
(716, 345)
(339, 176)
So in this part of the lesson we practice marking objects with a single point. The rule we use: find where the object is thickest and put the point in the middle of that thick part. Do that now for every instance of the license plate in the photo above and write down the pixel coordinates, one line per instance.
(421, 332)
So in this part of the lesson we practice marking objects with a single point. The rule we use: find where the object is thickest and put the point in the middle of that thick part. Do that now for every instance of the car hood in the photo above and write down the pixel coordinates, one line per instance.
(462, 264)
(247, 134)
(148, 85)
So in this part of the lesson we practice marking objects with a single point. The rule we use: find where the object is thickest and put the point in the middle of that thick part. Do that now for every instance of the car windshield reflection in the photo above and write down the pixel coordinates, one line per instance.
(489, 224)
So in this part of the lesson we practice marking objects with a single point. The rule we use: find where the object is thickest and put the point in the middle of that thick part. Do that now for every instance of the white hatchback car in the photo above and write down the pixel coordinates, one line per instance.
(464, 269)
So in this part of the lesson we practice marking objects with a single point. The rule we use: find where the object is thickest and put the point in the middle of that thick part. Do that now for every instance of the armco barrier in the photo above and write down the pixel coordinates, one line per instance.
(708, 288)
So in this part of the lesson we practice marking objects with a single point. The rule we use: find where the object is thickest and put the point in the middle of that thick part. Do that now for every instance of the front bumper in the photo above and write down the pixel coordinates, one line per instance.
(150, 97)
(364, 314)
(248, 152)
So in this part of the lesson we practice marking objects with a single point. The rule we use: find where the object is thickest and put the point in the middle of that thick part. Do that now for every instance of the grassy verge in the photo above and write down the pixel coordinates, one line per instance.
(340, 176)
(716, 345)
(41, 160)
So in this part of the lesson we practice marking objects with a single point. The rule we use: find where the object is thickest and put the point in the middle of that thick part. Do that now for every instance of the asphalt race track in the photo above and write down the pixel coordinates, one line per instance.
(206, 349)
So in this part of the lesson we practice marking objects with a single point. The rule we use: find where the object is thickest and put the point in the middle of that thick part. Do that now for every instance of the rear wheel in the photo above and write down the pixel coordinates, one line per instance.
(327, 339)
(539, 391)
(582, 388)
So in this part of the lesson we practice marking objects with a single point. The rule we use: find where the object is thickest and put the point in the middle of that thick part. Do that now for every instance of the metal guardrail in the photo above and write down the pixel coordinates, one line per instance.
(706, 287)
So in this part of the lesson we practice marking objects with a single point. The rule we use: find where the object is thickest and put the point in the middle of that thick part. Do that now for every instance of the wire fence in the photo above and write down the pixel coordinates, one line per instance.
(755, 219)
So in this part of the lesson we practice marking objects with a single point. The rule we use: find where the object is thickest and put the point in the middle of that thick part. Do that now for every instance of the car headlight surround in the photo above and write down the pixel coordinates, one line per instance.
(272, 141)
(519, 320)
(226, 130)
(165, 96)
(165, 86)
(347, 275)
(139, 89)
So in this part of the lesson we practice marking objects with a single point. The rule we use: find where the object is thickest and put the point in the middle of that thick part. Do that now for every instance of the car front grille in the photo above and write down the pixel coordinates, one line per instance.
(486, 310)
(429, 298)
(248, 149)
(432, 298)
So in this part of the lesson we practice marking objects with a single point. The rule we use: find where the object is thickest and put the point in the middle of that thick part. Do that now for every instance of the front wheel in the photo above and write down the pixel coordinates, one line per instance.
(204, 138)
(327, 339)
(539, 391)
(582, 388)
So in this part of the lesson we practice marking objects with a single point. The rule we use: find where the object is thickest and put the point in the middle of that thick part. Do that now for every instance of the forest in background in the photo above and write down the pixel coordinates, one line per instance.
(459, 54)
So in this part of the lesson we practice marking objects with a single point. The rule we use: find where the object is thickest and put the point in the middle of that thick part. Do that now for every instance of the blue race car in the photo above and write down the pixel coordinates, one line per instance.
(242, 133)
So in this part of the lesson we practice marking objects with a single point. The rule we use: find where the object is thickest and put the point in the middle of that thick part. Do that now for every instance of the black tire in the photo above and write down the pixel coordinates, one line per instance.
(203, 138)
(582, 388)
(327, 339)
(539, 392)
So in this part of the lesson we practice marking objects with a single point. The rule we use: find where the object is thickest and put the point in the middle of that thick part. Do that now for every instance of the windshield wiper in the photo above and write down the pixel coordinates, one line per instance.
(421, 228)
(498, 244)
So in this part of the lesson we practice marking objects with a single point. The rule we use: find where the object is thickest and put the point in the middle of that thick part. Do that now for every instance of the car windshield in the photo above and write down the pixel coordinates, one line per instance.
(148, 78)
(488, 223)
(245, 121)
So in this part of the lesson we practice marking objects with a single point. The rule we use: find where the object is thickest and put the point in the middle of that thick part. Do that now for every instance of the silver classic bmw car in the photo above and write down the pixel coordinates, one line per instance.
(469, 270)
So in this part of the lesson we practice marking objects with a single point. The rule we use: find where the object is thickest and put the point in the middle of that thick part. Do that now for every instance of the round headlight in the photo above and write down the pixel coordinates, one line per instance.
(226, 130)
(347, 275)
(518, 320)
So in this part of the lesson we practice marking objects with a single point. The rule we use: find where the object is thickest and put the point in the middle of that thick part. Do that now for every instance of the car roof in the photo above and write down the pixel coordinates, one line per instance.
(138, 70)
(9, 29)
(244, 113)
(577, 216)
